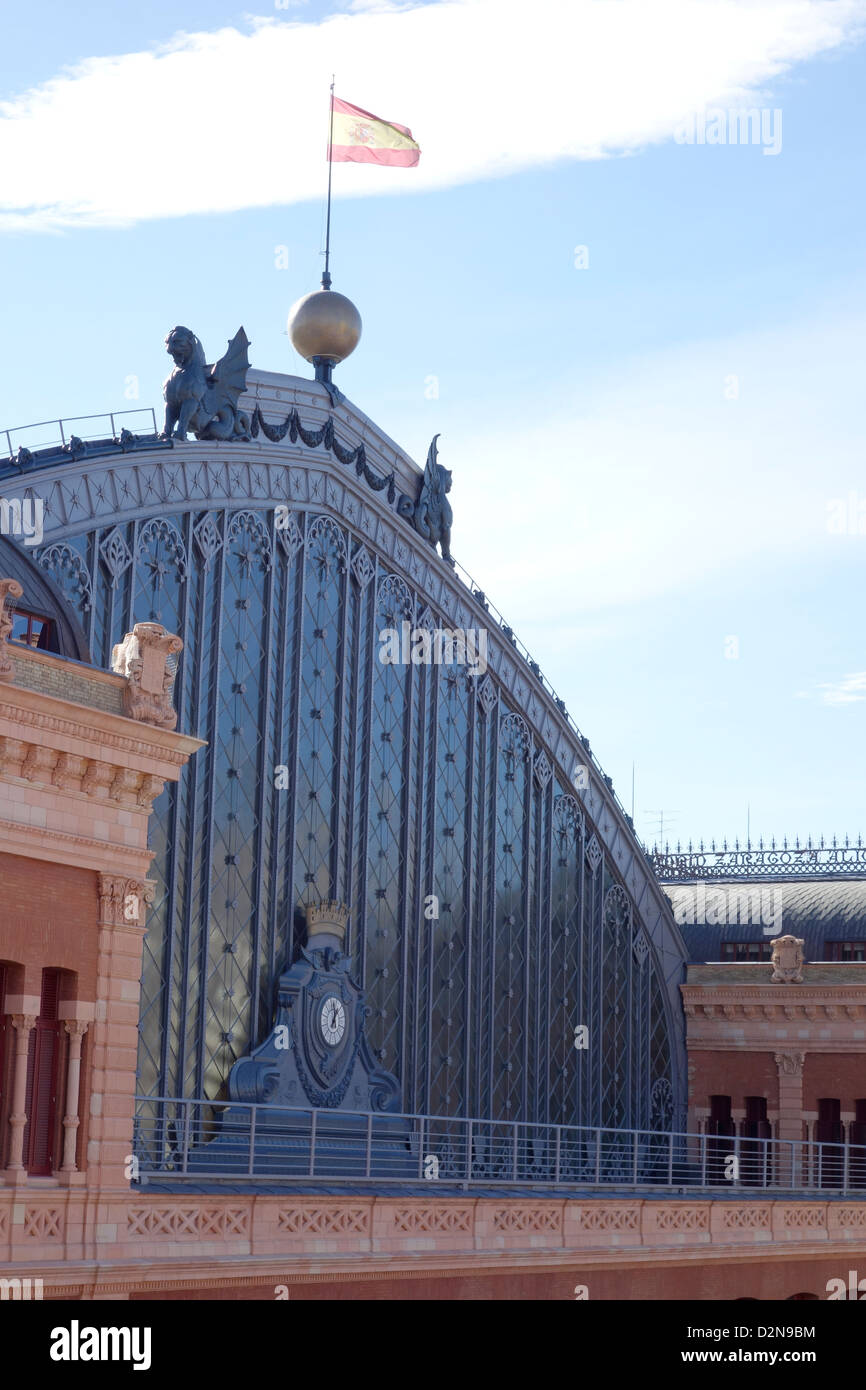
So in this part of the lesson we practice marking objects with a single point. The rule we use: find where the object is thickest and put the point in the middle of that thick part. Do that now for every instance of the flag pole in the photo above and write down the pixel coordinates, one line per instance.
(326, 275)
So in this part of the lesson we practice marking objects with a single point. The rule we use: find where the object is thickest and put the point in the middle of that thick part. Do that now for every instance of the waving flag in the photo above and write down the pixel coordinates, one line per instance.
(358, 137)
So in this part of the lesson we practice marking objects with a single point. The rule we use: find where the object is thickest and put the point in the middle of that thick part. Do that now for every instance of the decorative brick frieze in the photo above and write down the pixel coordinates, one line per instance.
(159, 1242)
(687, 1218)
(428, 1218)
(325, 1220)
(210, 1220)
(754, 1217)
(851, 1218)
(43, 1223)
(603, 1218)
(546, 1217)
(800, 1221)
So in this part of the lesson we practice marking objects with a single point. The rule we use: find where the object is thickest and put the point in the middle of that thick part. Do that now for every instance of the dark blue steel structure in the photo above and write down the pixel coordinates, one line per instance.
(330, 775)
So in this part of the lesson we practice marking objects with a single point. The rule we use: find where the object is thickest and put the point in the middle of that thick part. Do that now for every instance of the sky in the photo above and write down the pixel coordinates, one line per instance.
(637, 323)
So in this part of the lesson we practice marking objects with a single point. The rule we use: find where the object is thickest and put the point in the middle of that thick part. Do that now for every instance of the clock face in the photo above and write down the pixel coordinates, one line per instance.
(332, 1020)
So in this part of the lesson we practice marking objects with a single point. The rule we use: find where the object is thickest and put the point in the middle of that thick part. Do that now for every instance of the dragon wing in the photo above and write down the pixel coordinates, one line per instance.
(228, 377)
(432, 481)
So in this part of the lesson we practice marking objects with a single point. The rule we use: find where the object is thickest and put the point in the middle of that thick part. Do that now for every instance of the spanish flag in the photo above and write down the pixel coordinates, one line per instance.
(357, 137)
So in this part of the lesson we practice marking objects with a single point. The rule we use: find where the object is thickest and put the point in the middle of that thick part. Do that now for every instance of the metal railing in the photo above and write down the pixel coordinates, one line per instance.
(56, 434)
(749, 859)
(194, 1141)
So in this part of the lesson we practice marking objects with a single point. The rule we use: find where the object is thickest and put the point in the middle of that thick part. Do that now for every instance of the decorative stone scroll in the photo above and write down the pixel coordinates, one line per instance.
(144, 658)
(9, 589)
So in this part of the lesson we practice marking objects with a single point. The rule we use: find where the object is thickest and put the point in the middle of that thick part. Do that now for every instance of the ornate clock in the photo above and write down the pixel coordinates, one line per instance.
(332, 1020)
(317, 1053)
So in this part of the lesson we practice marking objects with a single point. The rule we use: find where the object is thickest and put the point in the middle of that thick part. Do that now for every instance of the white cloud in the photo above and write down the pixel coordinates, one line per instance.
(226, 120)
(848, 691)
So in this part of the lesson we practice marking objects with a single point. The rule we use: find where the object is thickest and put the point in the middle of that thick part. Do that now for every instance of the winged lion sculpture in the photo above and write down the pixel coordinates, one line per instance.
(203, 398)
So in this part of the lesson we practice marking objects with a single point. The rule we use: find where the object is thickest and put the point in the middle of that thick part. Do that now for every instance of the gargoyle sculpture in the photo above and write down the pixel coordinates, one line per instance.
(204, 398)
(431, 515)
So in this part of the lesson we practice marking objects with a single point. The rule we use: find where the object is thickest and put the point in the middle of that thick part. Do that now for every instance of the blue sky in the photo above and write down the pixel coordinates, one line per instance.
(647, 451)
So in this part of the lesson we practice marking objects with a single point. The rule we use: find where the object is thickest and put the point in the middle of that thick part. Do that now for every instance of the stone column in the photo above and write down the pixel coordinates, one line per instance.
(702, 1138)
(790, 1066)
(76, 1030)
(23, 1025)
(114, 1032)
(809, 1169)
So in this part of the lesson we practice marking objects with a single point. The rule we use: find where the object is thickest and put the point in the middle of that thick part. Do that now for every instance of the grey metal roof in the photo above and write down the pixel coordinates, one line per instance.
(721, 910)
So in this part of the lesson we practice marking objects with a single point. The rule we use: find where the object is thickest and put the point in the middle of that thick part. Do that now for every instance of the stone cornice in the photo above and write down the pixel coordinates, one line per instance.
(77, 777)
(96, 730)
(818, 1003)
(58, 847)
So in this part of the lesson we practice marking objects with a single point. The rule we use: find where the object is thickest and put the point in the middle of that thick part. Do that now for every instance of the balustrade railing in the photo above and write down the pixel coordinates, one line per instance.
(196, 1141)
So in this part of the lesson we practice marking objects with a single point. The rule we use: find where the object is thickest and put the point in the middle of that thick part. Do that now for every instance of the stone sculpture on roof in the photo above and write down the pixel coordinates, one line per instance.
(431, 515)
(203, 398)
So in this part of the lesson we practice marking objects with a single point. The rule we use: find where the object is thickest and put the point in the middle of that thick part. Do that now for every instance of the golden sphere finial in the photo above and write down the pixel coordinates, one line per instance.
(324, 326)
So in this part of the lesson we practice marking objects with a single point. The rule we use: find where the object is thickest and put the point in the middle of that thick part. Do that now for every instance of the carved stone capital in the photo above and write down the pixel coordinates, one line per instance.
(75, 1027)
(23, 1023)
(124, 785)
(122, 901)
(151, 787)
(9, 589)
(97, 779)
(38, 763)
(790, 1063)
(68, 772)
(143, 657)
(12, 754)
